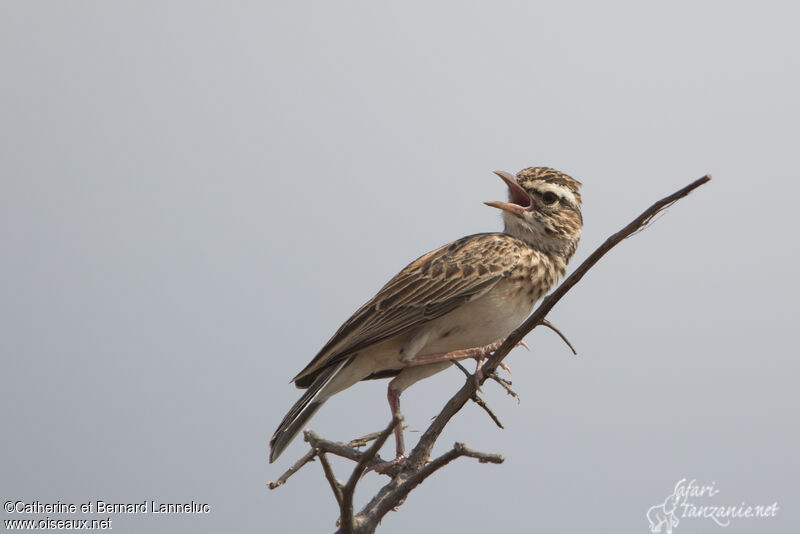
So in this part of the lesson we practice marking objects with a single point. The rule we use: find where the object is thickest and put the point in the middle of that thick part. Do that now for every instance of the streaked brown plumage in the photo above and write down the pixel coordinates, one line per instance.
(465, 295)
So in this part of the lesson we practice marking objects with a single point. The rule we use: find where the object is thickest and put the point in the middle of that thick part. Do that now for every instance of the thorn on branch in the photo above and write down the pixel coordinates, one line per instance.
(552, 327)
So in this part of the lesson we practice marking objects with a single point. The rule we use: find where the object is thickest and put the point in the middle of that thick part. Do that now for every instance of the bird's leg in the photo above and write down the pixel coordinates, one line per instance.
(479, 354)
(400, 446)
(394, 406)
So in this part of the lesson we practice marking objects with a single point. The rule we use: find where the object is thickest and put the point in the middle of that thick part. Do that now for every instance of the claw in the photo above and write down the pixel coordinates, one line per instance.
(505, 367)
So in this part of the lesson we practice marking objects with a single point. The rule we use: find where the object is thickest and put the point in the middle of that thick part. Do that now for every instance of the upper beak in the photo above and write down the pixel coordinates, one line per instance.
(519, 199)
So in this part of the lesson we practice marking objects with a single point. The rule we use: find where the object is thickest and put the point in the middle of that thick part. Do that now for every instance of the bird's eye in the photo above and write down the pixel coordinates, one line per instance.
(549, 197)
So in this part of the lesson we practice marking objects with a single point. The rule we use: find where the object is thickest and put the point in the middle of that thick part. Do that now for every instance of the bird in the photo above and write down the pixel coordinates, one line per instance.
(456, 302)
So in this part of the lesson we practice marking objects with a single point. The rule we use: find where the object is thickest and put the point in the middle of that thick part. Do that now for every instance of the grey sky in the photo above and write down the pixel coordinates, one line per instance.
(194, 196)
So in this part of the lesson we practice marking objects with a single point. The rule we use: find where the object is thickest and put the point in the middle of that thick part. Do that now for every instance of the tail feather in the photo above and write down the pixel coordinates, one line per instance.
(302, 411)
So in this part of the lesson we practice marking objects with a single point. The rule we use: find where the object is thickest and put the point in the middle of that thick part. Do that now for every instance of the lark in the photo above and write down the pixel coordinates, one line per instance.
(459, 301)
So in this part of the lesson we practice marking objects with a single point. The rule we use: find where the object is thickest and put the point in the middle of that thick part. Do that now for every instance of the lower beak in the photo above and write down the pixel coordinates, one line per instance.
(520, 200)
(516, 209)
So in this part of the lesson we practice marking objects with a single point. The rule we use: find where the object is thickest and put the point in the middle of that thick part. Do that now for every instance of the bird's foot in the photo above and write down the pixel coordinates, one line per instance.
(484, 353)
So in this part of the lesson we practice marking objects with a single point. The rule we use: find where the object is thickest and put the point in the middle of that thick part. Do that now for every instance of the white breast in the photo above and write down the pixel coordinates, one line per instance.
(480, 322)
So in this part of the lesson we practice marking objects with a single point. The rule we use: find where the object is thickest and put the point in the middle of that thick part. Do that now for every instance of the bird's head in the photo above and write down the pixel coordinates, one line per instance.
(543, 209)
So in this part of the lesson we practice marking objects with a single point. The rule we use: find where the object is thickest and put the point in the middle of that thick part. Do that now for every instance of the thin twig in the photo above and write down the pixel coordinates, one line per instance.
(308, 457)
(363, 440)
(336, 486)
(552, 327)
(463, 369)
(505, 384)
(482, 457)
(343, 450)
(480, 402)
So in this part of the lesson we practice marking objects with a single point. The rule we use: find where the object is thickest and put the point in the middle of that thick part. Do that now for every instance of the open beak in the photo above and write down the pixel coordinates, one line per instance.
(518, 198)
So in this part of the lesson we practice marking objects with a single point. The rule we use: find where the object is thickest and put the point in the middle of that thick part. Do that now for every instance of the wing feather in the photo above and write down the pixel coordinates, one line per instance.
(427, 288)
